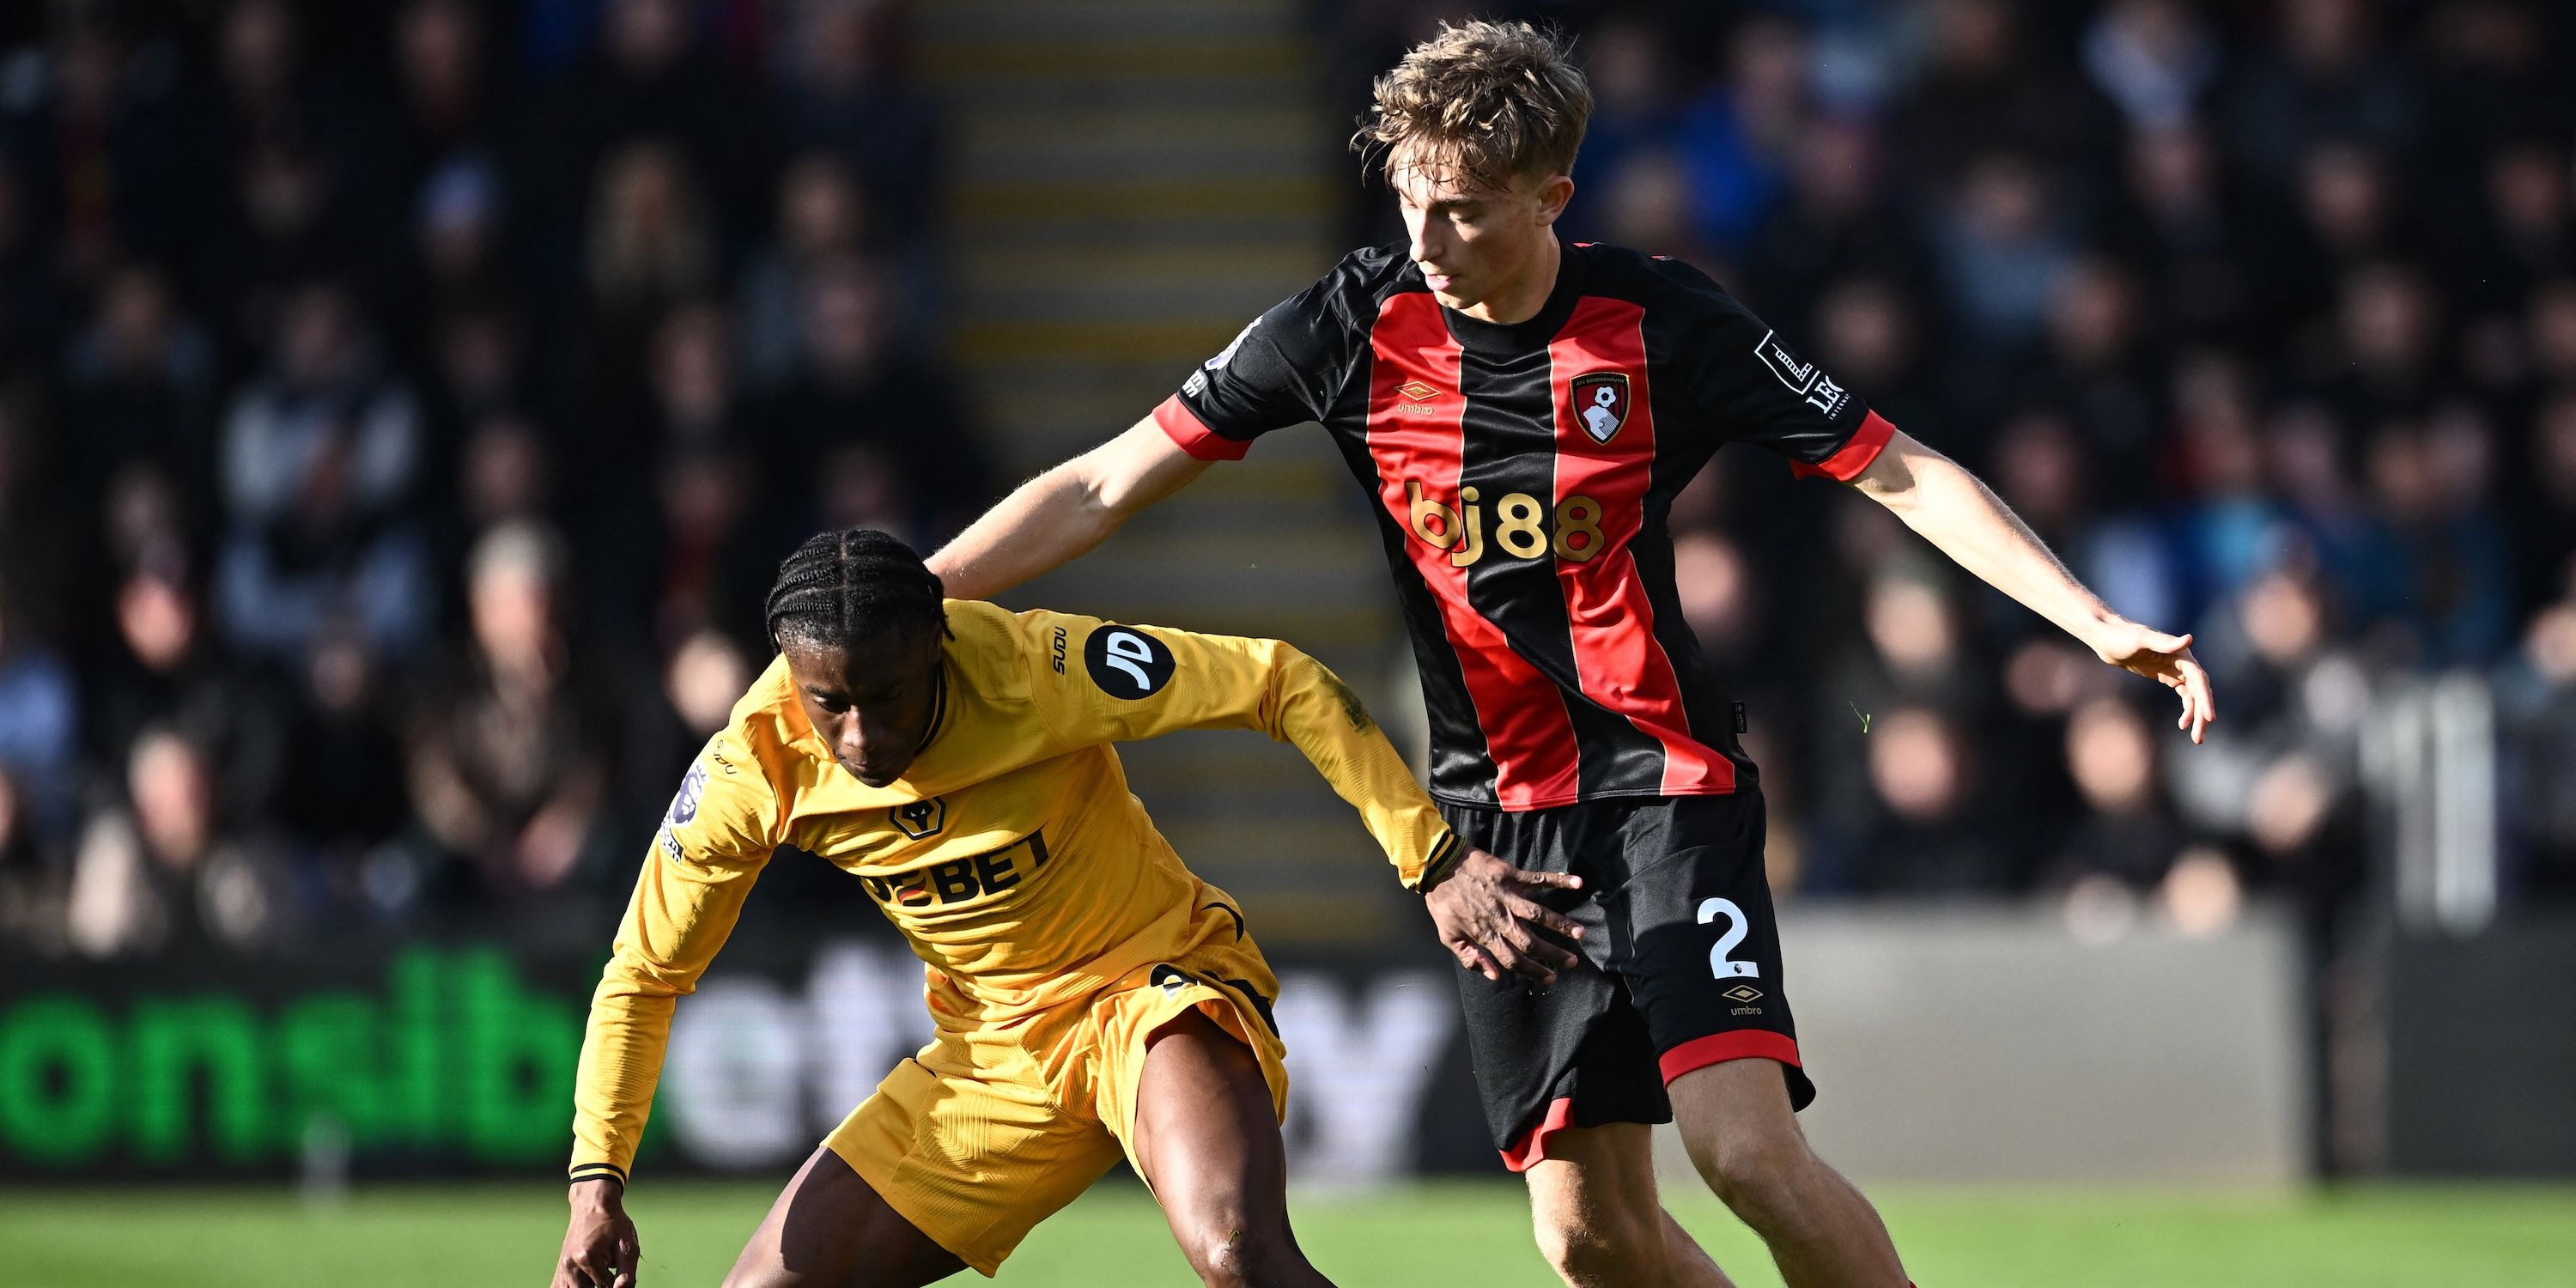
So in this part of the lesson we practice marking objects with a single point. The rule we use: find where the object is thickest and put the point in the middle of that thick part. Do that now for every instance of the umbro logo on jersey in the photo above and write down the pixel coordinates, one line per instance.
(1417, 391)
(1601, 403)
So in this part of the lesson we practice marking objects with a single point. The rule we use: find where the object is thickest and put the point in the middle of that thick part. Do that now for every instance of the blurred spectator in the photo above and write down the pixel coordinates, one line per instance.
(822, 216)
(2327, 75)
(857, 391)
(39, 712)
(2153, 58)
(509, 757)
(30, 887)
(97, 133)
(2536, 705)
(1736, 140)
(286, 160)
(1987, 88)
(350, 806)
(2187, 236)
(648, 80)
(2523, 236)
(2277, 776)
(2126, 833)
(445, 91)
(2544, 535)
(2232, 528)
(2100, 366)
(1894, 705)
(1833, 224)
(651, 245)
(695, 399)
(164, 863)
(2002, 246)
(2439, 572)
(844, 93)
(1630, 69)
(168, 670)
(320, 454)
(2350, 219)
(139, 381)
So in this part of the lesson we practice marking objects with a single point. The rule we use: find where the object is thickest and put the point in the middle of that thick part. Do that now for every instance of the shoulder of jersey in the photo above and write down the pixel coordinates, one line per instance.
(1621, 271)
(1372, 271)
(994, 649)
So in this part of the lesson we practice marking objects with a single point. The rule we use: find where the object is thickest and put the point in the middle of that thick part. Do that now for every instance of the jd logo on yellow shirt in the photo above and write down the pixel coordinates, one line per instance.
(1126, 663)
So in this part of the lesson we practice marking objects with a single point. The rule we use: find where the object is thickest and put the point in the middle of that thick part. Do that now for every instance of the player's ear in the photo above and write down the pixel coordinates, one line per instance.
(1553, 193)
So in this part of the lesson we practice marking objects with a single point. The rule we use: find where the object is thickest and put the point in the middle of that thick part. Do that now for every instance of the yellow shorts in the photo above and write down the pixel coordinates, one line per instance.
(987, 1132)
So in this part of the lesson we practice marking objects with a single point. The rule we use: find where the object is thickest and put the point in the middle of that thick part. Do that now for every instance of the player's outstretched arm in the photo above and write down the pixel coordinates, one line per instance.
(1060, 515)
(1957, 512)
(600, 1249)
(1137, 682)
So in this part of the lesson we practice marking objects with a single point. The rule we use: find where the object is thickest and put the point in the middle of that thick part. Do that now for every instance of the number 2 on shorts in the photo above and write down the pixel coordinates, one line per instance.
(1736, 924)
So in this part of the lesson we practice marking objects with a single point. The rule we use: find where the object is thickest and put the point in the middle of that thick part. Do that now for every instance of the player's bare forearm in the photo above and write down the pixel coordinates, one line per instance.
(1957, 512)
(1060, 515)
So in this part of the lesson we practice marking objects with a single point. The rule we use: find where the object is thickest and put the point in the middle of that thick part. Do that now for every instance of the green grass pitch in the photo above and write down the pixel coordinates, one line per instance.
(1468, 1233)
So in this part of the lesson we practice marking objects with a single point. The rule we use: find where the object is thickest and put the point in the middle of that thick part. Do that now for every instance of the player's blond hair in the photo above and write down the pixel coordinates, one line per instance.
(1497, 101)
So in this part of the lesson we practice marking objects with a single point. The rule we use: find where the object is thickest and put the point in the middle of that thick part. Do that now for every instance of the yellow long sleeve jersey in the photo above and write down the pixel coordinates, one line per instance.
(1011, 854)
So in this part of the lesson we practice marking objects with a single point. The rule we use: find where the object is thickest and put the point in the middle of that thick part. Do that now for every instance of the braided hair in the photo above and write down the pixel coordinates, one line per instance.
(845, 585)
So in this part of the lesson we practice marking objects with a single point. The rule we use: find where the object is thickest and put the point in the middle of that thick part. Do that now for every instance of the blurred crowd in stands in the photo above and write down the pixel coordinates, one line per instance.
(404, 404)
(403, 409)
(2262, 312)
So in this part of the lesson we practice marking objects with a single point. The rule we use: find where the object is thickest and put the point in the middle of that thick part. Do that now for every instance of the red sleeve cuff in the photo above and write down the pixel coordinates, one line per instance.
(1718, 1048)
(1194, 437)
(1845, 465)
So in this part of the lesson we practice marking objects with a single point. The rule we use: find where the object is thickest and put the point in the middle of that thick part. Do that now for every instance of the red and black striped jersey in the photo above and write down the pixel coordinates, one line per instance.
(1521, 476)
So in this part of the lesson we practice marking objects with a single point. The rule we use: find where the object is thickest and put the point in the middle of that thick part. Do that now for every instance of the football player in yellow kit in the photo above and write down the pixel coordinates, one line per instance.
(1091, 995)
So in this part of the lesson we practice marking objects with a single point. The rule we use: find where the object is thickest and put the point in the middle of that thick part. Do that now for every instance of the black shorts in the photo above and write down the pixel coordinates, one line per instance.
(1681, 965)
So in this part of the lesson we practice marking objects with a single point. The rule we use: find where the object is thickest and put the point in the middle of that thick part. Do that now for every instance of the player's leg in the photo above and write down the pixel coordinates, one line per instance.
(961, 1151)
(1736, 1122)
(1702, 959)
(1206, 1137)
(1594, 1210)
(1567, 1073)
(831, 1229)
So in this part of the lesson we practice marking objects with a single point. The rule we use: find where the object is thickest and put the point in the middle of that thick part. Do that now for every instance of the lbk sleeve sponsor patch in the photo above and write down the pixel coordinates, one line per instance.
(1803, 378)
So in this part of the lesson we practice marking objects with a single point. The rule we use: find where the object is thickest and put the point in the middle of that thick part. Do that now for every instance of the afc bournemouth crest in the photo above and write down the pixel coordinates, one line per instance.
(1601, 403)
(921, 819)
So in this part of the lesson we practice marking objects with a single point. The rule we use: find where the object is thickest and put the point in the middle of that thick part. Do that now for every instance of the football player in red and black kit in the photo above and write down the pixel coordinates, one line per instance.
(1521, 413)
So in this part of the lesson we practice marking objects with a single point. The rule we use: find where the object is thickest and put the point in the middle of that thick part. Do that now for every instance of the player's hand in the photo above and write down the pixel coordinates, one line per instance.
(2165, 659)
(599, 1248)
(1486, 918)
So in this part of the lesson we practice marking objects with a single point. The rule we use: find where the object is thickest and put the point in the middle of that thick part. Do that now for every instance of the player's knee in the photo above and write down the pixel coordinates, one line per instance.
(1753, 1172)
(1602, 1248)
(1239, 1257)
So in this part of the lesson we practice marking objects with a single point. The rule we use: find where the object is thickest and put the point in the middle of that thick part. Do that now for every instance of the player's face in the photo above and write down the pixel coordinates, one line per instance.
(870, 701)
(1473, 241)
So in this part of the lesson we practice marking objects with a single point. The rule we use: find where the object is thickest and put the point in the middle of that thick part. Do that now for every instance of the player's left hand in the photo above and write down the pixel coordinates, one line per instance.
(2165, 659)
(1483, 908)
(600, 1249)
